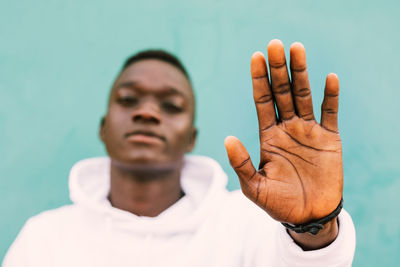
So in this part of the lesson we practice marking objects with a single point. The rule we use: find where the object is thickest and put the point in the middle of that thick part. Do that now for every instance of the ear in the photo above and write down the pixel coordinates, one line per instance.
(102, 133)
(192, 140)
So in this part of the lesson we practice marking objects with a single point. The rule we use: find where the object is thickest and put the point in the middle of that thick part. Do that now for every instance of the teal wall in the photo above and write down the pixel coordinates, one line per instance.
(58, 60)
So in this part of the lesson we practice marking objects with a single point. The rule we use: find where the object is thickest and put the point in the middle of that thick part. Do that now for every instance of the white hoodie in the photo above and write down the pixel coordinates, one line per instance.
(209, 226)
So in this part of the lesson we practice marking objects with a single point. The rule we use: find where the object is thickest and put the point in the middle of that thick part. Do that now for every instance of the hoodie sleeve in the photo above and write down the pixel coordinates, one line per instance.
(18, 254)
(34, 244)
(340, 253)
(274, 247)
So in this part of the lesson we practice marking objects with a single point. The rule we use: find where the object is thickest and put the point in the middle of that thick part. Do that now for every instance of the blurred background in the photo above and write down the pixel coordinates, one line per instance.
(58, 60)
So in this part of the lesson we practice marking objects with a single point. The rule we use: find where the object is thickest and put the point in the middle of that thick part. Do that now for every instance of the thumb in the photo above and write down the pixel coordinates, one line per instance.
(239, 159)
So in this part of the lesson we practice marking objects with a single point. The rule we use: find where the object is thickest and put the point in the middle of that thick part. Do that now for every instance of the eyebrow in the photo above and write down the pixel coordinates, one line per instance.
(168, 90)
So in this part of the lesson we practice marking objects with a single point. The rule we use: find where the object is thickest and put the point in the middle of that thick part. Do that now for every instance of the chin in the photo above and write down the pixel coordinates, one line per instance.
(148, 161)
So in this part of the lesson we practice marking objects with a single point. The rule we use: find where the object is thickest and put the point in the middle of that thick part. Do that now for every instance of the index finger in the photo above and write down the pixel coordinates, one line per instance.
(262, 94)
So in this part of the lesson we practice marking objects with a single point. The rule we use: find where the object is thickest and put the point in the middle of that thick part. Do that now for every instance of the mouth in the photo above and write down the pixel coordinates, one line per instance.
(145, 137)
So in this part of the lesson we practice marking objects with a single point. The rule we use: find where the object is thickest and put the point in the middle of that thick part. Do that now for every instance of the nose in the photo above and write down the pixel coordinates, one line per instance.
(147, 113)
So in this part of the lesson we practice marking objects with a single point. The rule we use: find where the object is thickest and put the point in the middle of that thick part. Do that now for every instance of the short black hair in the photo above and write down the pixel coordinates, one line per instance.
(159, 55)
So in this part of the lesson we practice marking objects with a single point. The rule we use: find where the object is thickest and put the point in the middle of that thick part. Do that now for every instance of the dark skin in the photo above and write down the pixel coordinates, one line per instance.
(147, 130)
(300, 176)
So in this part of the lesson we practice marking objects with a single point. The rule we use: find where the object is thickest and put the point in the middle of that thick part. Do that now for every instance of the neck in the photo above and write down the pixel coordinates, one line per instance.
(144, 191)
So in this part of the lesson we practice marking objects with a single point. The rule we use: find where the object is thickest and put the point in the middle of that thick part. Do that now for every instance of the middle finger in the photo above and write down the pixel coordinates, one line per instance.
(280, 81)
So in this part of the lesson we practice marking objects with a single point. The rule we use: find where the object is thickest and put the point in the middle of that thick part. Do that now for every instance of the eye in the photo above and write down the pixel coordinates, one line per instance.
(171, 107)
(127, 101)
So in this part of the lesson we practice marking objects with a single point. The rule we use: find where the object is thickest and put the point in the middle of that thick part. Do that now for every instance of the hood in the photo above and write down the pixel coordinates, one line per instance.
(202, 180)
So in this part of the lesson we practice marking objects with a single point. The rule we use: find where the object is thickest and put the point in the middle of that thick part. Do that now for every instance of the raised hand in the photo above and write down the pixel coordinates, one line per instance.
(300, 175)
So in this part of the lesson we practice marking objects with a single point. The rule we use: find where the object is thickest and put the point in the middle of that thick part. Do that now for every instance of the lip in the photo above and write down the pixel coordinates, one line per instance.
(145, 137)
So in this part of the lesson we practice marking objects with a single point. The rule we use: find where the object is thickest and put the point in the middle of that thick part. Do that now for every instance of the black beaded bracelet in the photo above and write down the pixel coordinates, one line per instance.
(315, 226)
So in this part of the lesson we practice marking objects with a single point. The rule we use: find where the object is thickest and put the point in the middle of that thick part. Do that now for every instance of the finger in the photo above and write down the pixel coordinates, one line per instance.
(300, 83)
(262, 92)
(329, 108)
(280, 82)
(239, 159)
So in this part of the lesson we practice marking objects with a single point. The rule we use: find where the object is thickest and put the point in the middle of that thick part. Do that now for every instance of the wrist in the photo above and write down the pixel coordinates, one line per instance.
(325, 237)
(315, 226)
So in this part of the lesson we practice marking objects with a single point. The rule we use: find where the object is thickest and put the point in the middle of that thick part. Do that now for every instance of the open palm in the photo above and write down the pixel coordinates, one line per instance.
(300, 175)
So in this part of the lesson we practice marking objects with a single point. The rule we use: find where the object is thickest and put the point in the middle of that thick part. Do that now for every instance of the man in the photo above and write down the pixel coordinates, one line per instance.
(149, 205)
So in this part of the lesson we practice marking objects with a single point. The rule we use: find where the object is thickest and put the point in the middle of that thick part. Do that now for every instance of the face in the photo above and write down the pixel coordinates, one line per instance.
(150, 115)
